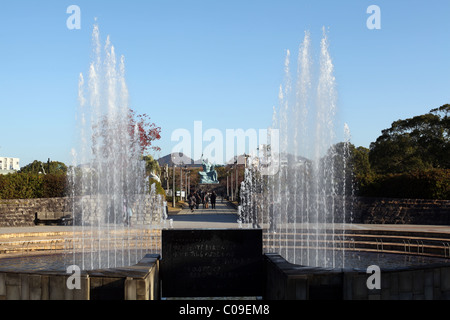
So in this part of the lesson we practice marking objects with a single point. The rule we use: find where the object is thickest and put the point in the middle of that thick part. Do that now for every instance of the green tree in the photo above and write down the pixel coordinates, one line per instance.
(418, 143)
(54, 185)
(429, 184)
(158, 188)
(49, 167)
(363, 174)
(151, 165)
(360, 162)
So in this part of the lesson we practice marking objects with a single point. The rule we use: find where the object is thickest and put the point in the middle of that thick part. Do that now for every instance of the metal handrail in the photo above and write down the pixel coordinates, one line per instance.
(379, 244)
(420, 246)
(407, 244)
(446, 244)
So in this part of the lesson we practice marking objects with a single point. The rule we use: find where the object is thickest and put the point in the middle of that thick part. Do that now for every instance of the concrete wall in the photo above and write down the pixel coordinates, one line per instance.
(286, 281)
(34, 286)
(146, 288)
(138, 282)
(428, 283)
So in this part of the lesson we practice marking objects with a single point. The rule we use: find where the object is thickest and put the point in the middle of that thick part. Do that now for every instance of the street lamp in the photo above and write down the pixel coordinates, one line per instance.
(181, 182)
(228, 176)
(231, 182)
(186, 184)
(235, 168)
(173, 184)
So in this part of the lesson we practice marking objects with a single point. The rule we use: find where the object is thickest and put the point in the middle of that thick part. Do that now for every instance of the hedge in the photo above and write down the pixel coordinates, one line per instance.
(29, 185)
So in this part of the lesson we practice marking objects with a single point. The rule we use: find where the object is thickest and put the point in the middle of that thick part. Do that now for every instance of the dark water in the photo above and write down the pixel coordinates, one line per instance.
(362, 260)
(54, 262)
(34, 263)
(359, 260)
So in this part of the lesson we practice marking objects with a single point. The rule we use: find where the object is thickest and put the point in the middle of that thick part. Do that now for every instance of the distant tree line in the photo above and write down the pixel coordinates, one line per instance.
(411, 159)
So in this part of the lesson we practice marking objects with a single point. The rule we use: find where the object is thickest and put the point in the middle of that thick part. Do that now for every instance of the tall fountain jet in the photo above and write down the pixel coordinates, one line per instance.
(303, 204)
(112, 205)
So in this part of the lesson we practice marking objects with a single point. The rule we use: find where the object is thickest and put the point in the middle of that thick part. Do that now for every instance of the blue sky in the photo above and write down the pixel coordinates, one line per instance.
(220, 62)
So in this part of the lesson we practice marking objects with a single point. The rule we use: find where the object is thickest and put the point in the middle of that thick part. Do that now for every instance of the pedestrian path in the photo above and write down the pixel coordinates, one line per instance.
(221, 208)
(224, 216)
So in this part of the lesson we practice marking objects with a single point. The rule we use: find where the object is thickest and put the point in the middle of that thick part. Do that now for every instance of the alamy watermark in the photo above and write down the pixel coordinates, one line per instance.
(74, 20)
(74, 280)
(374, 20)
(374, 280)
(219, 147)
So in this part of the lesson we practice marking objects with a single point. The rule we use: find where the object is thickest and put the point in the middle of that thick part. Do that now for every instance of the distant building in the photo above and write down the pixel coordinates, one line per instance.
(9, 165)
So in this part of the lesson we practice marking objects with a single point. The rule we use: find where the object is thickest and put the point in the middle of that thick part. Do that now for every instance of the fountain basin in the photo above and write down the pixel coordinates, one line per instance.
(137, 282)
(286, 281)
(402, 277)
(414, 263)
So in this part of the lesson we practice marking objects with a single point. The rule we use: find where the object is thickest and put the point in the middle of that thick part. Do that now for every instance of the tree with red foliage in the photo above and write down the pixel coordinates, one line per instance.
(110, 128)
(148, 131)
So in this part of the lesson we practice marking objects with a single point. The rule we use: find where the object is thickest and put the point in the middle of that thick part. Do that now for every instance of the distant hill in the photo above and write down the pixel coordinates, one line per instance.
(184, 159)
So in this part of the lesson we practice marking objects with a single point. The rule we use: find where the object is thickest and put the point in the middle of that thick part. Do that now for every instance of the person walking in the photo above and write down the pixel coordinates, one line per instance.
(197, 200)
(213, 200)
(192, 201)
(203, 195)
(206, 200)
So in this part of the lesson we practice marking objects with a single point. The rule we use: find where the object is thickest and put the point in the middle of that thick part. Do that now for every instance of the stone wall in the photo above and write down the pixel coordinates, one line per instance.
(21, 212)
(401, 211)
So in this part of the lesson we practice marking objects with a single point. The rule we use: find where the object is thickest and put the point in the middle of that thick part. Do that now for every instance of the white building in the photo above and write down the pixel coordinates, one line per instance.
(8, 165)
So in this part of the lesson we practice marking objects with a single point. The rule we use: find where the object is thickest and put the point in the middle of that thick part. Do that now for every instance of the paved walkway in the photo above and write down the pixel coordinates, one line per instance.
(222, 217)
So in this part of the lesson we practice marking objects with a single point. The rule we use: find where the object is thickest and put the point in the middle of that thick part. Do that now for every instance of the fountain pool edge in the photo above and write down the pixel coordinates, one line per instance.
(286, 281)
(137, 282)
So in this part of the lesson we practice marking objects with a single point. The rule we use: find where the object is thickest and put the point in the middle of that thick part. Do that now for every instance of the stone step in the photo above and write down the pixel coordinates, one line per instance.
(58, 241)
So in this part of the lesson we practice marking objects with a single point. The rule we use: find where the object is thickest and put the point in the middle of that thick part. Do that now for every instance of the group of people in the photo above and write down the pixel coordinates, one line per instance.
(199, 197)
